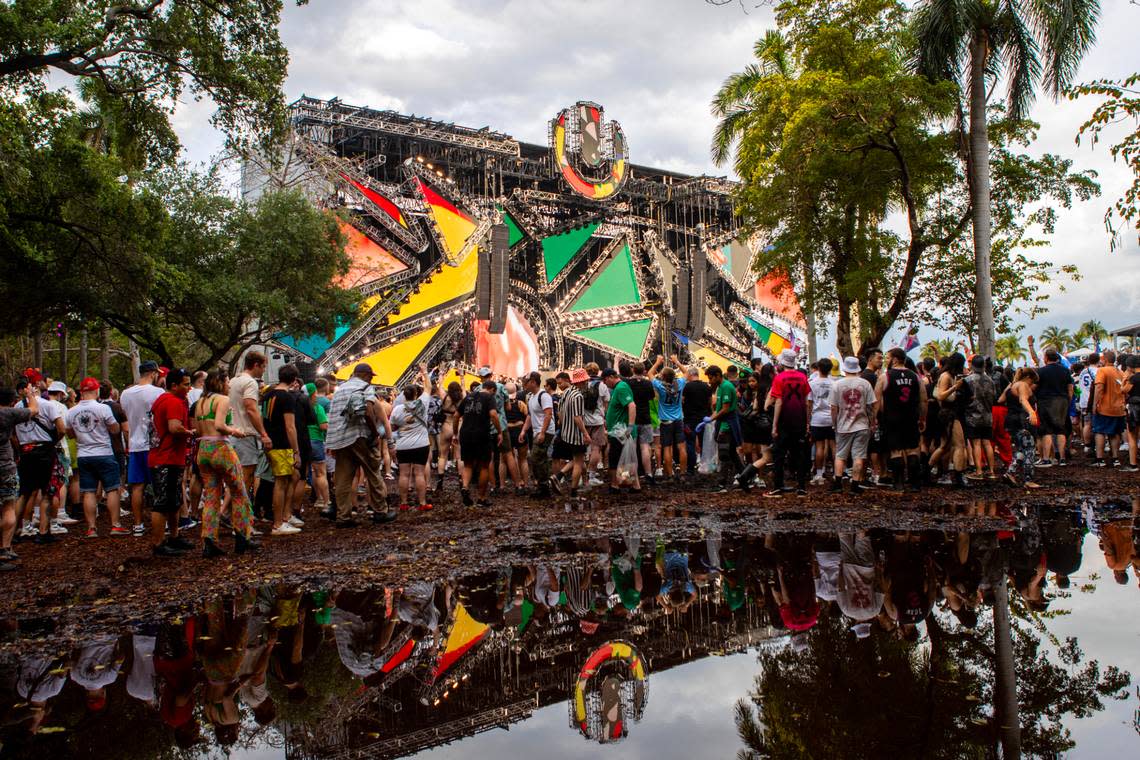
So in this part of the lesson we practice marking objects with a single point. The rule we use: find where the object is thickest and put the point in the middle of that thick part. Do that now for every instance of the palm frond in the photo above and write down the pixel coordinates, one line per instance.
(1067, 30)
(1014, 43)
(941, 35)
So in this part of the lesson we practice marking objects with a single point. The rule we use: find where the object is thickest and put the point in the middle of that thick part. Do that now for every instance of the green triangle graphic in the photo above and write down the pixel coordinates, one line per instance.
(558, 250)
(760, 329)
(627, 337)
(515, 234)
(615, 286)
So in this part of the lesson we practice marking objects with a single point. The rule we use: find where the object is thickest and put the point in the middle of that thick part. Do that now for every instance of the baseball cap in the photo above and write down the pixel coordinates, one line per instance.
(484, 372)
(363, 369)
(33, 375)
(609, 372)
(310, 389)
(788, 357)
(579, 376)
(148, 366)
(851, 365)
(163, 371)
(57, 387)
(88, 384)
(978, 362)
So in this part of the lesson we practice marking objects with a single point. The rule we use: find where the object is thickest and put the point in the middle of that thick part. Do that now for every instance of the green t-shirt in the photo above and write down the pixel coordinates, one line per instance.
(315, 432)
(654, 414)
(725, 397)
(617, 413)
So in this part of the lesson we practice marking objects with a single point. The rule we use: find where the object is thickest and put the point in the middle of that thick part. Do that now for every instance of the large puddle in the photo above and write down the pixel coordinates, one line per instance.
(852, 644)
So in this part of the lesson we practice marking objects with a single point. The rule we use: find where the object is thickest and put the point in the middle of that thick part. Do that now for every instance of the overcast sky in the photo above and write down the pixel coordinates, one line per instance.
(654, 65)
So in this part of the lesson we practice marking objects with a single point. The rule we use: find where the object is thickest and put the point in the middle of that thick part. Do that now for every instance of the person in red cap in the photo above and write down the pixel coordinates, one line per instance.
(10, 416)
(92, 424)
(170, 417)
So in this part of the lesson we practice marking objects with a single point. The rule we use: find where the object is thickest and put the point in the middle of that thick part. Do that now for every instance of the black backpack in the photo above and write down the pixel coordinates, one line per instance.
(591, 396)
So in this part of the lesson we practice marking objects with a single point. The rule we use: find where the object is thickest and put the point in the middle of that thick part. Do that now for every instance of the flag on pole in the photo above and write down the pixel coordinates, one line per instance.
(910, 340)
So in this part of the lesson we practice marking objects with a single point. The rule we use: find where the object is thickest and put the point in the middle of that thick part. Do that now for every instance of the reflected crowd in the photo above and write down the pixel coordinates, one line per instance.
(322, 668)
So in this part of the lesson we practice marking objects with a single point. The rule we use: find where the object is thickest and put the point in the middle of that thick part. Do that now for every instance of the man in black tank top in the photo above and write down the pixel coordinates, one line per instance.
(902, 399)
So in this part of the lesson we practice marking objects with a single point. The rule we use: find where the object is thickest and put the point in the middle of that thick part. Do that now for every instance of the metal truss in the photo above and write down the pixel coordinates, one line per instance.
(311, 111)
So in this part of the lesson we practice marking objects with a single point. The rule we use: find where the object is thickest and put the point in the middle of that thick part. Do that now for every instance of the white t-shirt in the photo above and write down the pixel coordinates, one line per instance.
(242, 387)
(598, 416)
(30, 432)
(137, 402)
(91, 422)
(1085, 380)
(820, 400)
(853, 397)
(536, 404)
(193, 396)
(410, 421)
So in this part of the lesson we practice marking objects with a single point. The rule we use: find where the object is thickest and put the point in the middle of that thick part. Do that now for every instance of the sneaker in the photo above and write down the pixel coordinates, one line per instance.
(178, 542)
(255, 532)
(66, 519)
(554, 486)
(285, 529)
(976, 476)
(138, 530)
(1130, 468)
(596, 481)
(118, 531)
(1062, 462)
(57, 529)
(7, 555)
(775, 493)
(1044, 463)
(1099, 463)
(484, 503)
(45, 538)
(162, 550)
(379, 518)
(296, 522)
(405, 507)
(466, 495)
(91, 533)
(28, 531)
(836, 486)
(818, 480)
(425, 507)
(187, 523)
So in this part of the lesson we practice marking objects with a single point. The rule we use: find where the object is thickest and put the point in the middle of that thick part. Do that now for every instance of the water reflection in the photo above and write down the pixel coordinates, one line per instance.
(870, 643)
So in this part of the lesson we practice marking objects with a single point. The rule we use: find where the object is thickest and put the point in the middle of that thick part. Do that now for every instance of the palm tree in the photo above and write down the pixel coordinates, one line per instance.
(1056, 337)
(1093, 331)
(1008, 349)
(969, 42)
(734, 104)
(937, 348)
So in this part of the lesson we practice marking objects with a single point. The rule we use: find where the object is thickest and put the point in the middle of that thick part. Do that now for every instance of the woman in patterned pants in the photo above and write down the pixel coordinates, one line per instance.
(1020, 421)
(219, 467)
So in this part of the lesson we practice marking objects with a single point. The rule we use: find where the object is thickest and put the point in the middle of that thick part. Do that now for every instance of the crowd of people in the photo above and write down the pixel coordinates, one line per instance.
(230, 454)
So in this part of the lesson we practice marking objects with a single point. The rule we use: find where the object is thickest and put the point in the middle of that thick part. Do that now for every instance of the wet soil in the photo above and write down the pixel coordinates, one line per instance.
(111, 582)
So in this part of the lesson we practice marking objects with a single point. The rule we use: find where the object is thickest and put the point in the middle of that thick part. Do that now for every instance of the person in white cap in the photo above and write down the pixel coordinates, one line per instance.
(853, 408)
(39, 440)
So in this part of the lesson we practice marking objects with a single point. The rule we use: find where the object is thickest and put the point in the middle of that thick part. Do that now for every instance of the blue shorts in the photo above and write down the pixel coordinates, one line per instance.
(1105, 425)
(94, 471)
(318, 451)
(9, 488)
(138, 471)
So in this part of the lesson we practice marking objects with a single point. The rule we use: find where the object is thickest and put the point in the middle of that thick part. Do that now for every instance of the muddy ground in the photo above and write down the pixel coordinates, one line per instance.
(105, 583)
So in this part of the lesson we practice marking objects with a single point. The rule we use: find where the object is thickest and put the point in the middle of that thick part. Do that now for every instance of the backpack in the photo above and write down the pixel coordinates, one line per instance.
(592, 395)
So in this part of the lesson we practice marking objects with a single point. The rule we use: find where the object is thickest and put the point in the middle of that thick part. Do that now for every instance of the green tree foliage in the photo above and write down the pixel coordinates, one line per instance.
(1121, 104)
(1058, 338)
(146, 55)
(832, 134)
(1008, 349)
(937, 348)
(1027, 194)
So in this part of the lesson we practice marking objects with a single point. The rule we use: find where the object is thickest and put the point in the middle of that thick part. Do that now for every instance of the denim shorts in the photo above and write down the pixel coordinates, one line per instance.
(318, 451)
(138, 468)
(96, 471)
(9, 487)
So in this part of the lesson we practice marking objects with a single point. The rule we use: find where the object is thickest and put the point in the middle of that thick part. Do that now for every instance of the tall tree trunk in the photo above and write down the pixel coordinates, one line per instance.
(82, 354)
(1005, 677)
(63, 354)
(105, 354)
(38, 349)
(980, 192)
(809, 317)
(134, 361)
(843, 329)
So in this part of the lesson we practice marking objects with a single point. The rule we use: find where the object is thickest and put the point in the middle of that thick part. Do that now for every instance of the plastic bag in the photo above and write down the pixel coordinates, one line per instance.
(627, 463)
(710, 459)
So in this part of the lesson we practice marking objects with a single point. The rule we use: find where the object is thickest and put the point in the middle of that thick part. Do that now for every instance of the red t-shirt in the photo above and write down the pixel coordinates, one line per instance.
(791, 386)
(171, 449)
